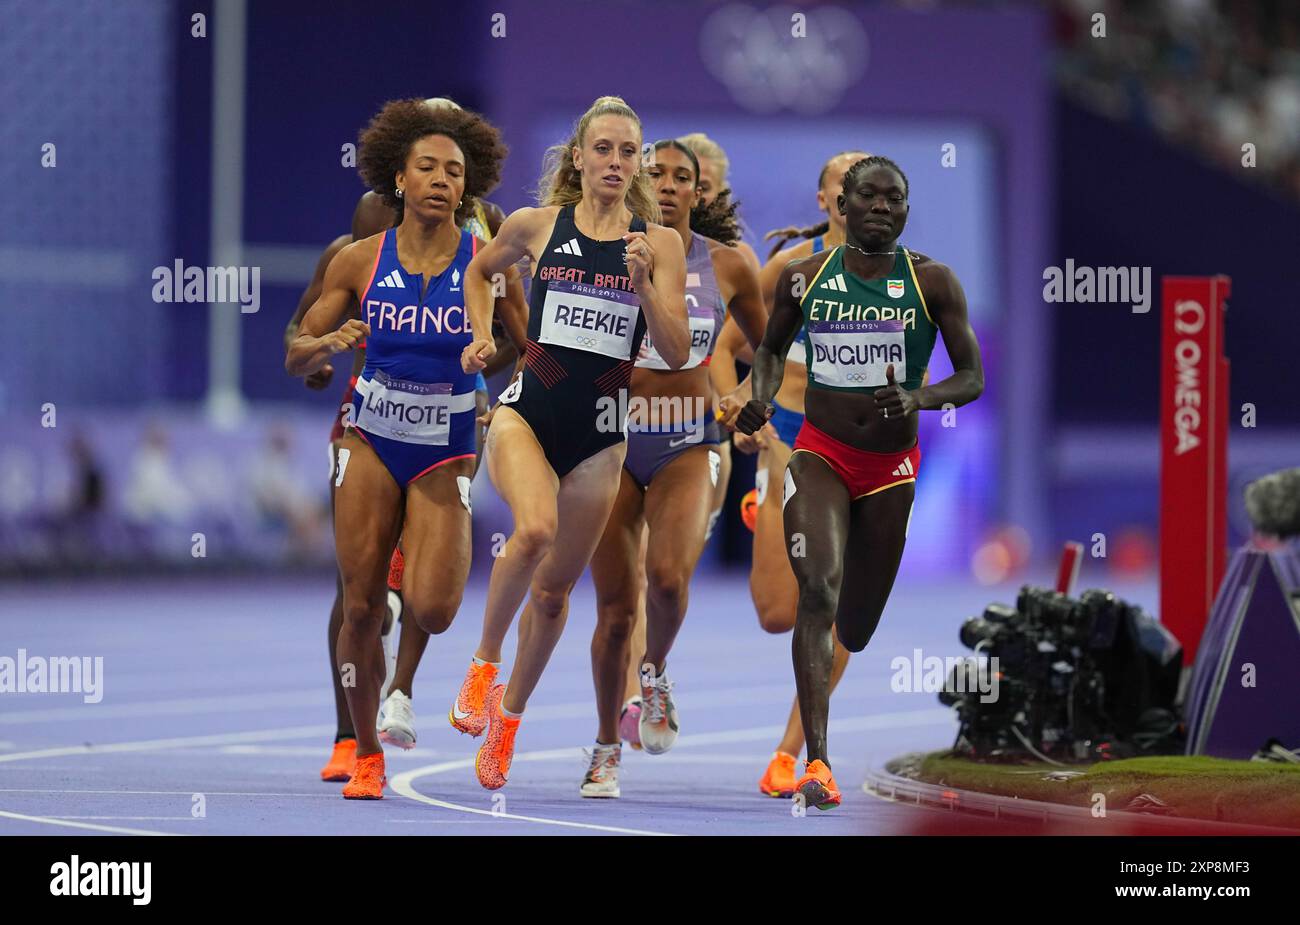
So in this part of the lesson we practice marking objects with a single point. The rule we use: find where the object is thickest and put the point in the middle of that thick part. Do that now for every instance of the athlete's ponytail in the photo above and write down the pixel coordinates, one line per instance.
(561, 182)
(786, 235)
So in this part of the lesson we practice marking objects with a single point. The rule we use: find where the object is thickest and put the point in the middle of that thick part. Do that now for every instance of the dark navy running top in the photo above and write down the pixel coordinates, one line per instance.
(585, 324)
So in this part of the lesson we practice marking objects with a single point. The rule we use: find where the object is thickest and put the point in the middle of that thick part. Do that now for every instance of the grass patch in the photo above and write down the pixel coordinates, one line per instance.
(1194, 787)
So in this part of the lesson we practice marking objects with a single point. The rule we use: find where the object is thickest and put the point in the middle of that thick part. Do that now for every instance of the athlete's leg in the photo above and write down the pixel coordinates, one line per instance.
(771, 580)
(410, 649)
(614, 568)
(342, 719)
(636, 641)
(367, 523)
(877, 533)
(481, 406)
(816, 530)
(585, 497)
(527, 483)
(792, 740)
(677, 513)
(724, 476)
(436, 548)
(436, 543)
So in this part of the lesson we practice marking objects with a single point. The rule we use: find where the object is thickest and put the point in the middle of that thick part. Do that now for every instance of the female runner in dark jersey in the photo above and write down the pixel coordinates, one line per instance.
(603, 274)
(405, 463)
(872, 310)
(669, 474)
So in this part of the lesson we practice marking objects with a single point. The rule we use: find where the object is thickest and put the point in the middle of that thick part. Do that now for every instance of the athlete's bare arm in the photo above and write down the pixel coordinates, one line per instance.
(322, 376)
(771, 272)
(722, 369)
(659, 279)
(319, 336)
(512, 309)
(782, 328)
(520, 235)
(947, 305)
(747, 252)
(739, 284)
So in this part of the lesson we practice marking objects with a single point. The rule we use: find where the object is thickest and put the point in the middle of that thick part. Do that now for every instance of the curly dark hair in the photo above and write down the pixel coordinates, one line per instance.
(386, 143)
(718, 219)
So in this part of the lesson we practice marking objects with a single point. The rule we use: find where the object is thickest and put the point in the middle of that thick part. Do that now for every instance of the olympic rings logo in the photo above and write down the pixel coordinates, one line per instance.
(856, 377)
(585, 341)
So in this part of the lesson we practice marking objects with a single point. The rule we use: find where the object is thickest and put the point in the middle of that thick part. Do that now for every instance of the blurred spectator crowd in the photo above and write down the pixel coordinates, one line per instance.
(147, 493)
(1208, 75)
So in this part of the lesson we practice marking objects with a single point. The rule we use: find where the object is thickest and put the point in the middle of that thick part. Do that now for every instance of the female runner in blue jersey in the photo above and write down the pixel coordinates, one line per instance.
(405, 463)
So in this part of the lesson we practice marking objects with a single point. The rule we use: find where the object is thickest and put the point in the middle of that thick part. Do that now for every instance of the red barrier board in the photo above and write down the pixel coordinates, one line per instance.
(1193, 453)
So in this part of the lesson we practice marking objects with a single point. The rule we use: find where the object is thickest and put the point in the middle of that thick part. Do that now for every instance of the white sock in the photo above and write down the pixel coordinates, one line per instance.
(479, 661)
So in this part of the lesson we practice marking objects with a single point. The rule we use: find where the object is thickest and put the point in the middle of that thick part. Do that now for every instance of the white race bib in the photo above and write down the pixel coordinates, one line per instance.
(412, 412)
(702, 322)
(590, 318)
(854, 354)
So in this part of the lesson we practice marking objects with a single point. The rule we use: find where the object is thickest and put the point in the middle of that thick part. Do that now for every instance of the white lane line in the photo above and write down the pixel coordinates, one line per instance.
(48, 820)
(181, 793)
(403, 784)
(126, 818)
(148, 745)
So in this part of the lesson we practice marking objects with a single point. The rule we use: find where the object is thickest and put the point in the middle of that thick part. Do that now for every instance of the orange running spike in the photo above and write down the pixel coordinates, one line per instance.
(468, 712)
(492, 764)
(778, 780)
(369, 780)
(817, 786)
(343, 761)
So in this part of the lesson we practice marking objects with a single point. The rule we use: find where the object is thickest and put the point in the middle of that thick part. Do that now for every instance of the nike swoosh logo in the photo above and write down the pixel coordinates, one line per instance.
(455, 711)
(695, 437)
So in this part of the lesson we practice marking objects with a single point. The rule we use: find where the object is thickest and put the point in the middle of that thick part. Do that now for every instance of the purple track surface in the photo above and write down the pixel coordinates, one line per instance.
(220, 688)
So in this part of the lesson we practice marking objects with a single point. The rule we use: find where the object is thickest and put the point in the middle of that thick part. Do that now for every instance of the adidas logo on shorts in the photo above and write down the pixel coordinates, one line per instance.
(835, 283)
(905, 469)
(392, 281)
(569, 247)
